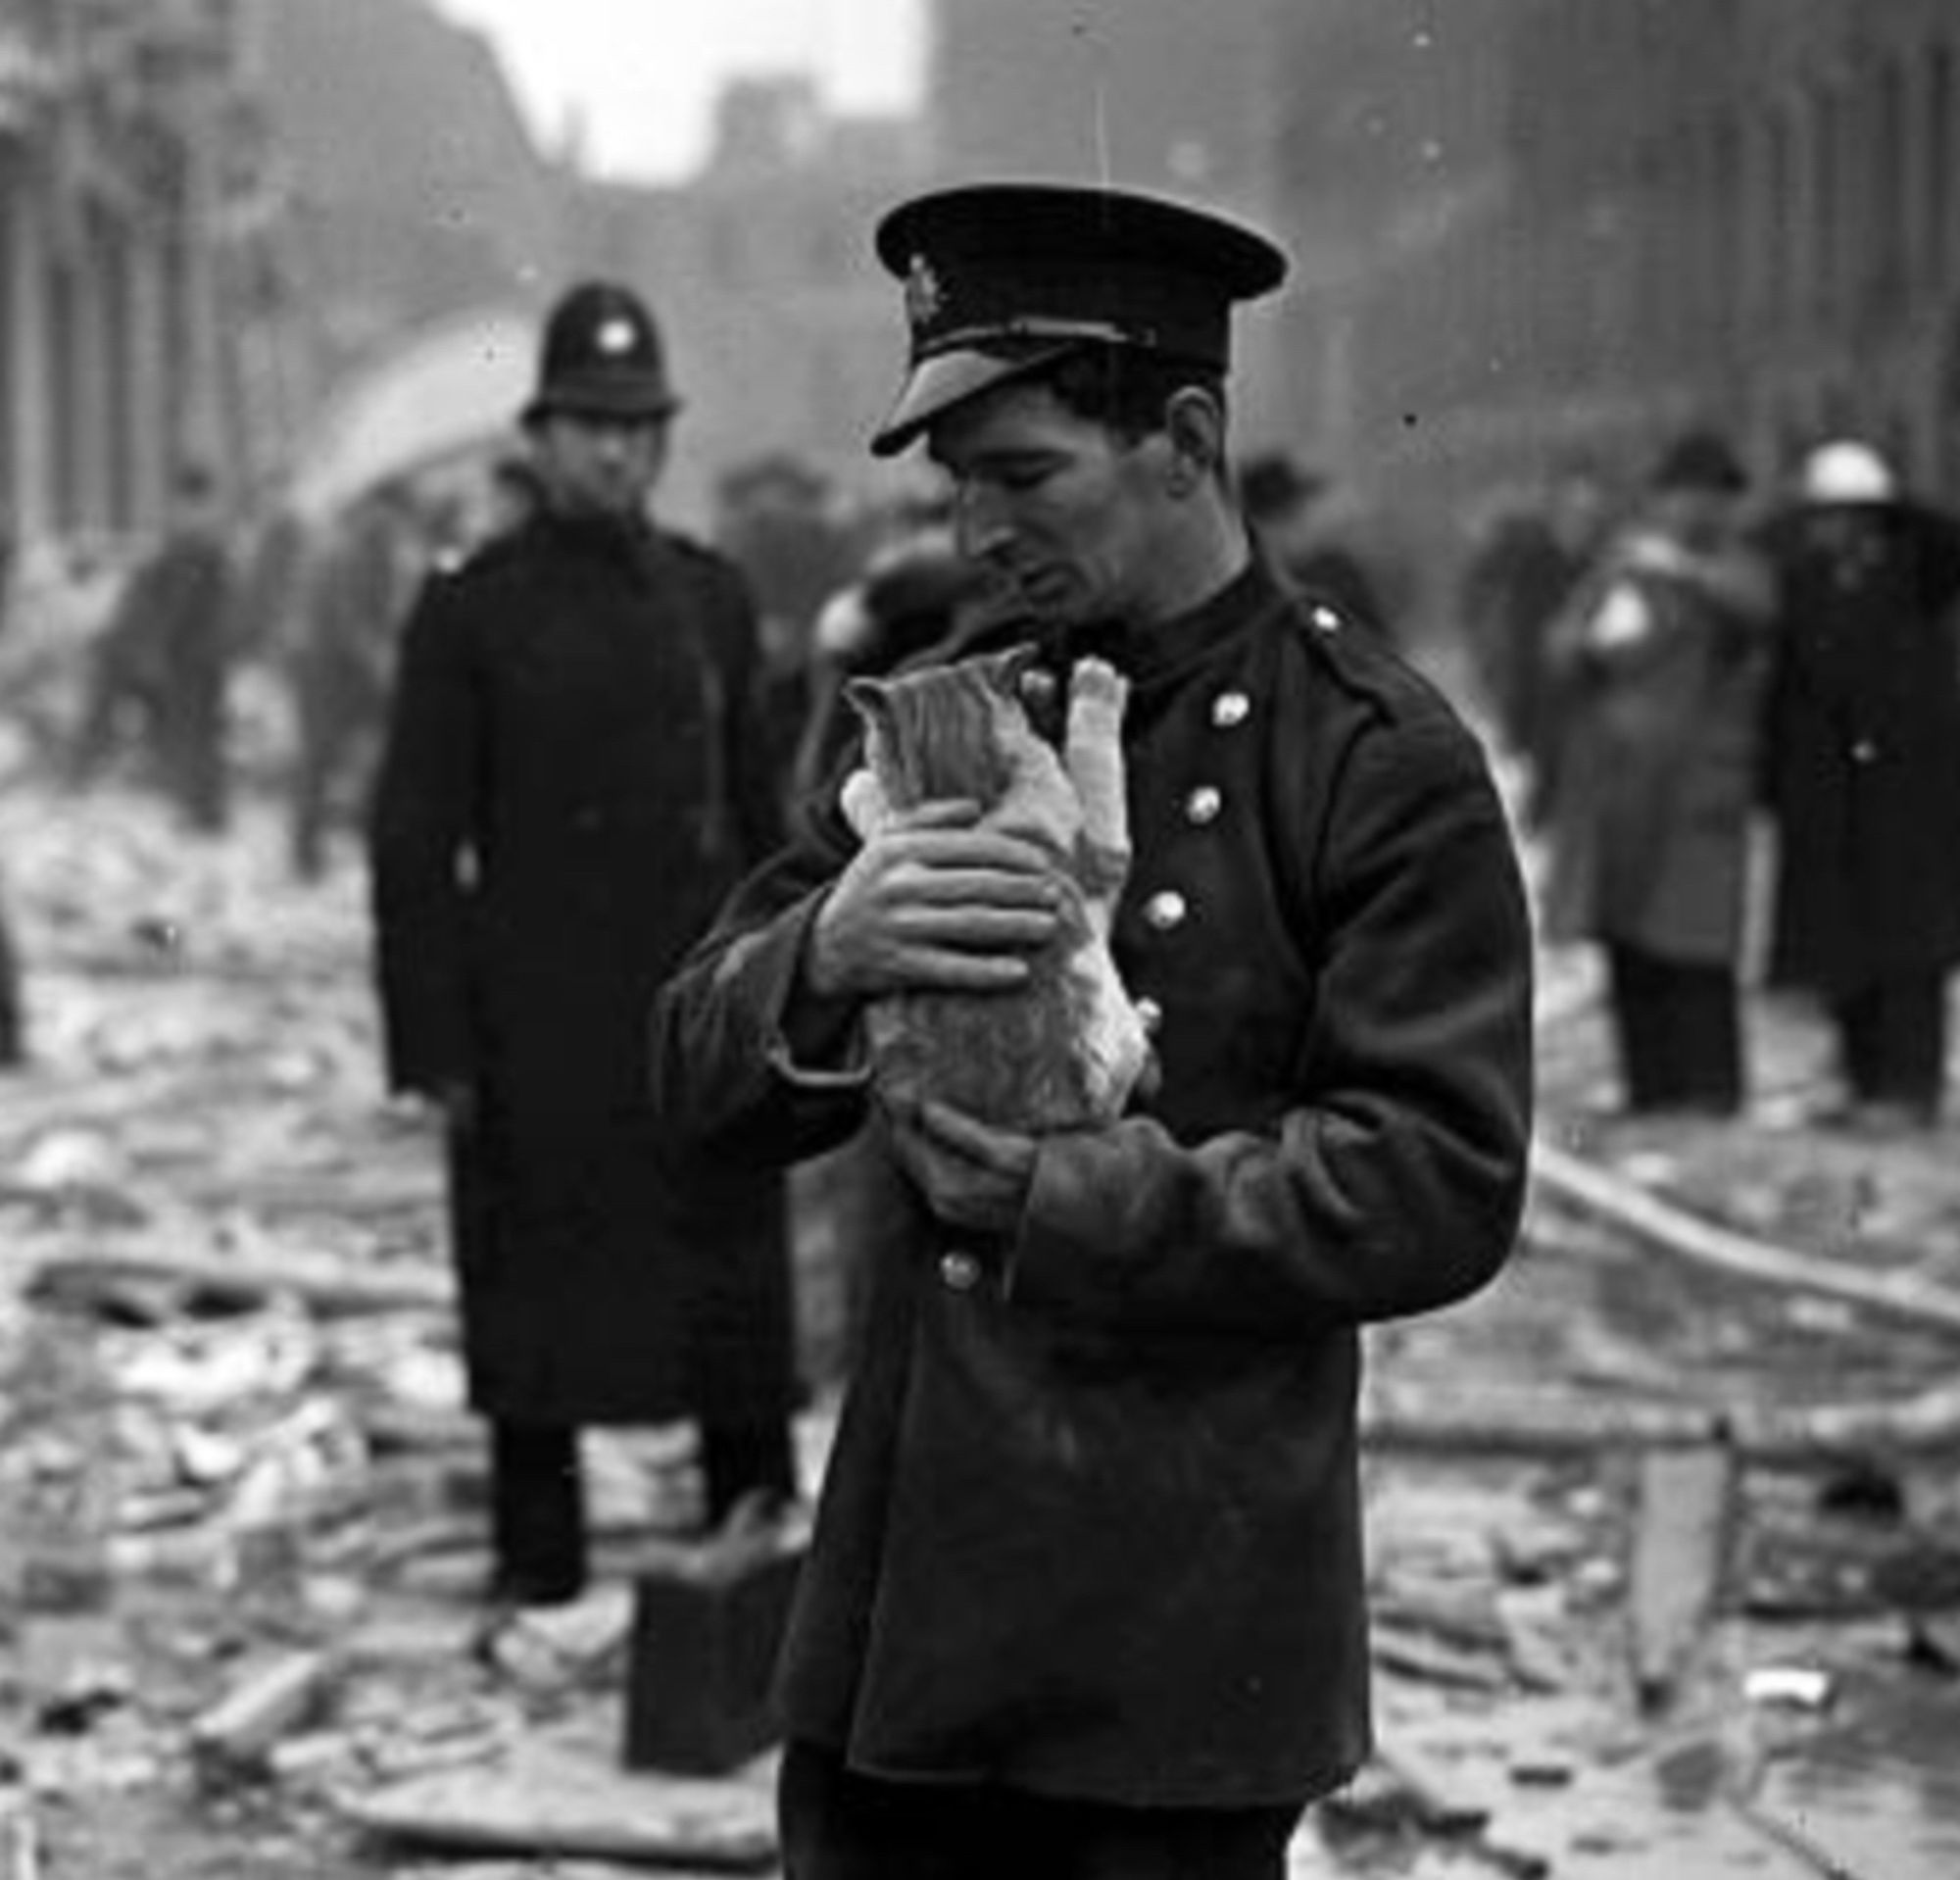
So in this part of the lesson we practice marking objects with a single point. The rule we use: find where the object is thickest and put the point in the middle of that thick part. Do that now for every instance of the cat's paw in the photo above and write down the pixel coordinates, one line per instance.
(866, 806)
(1096, 685)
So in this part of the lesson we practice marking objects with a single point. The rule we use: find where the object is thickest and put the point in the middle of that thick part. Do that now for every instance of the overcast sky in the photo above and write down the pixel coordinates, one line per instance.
(642, 74)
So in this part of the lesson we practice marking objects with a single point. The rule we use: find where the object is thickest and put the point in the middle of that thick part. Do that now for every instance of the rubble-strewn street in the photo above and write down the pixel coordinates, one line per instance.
(1666, 1545)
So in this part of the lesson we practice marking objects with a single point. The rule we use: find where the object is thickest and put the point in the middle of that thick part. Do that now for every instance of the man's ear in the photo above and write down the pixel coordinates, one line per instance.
(1195, 424)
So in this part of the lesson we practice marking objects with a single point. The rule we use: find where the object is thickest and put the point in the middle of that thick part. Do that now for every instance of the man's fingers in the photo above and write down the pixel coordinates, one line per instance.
(950, 969)
(981, 888)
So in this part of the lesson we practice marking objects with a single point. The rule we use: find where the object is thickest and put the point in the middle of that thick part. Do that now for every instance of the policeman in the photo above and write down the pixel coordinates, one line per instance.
(1086, 1595)
(569, 787)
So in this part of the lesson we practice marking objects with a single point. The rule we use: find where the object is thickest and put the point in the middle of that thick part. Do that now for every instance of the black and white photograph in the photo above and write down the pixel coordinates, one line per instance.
(979, 939)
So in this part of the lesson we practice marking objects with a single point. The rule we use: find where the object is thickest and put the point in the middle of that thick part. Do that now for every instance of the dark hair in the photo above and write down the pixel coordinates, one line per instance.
(1126, 387)
(1272, 484)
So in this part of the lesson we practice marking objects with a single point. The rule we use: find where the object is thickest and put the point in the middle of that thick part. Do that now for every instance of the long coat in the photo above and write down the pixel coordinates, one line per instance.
(1863, 745)
(1657, 774)
(569, 788)
(1091, 1523)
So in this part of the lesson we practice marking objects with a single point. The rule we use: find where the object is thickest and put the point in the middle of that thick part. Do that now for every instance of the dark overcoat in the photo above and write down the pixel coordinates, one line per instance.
(1092, 1524)
(1660, 751)
(570, 788)
(1863, 745)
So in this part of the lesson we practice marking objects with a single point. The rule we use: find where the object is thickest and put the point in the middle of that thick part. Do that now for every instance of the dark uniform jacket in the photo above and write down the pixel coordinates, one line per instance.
(569, 789)
(1863, 744)
(1092, 1524)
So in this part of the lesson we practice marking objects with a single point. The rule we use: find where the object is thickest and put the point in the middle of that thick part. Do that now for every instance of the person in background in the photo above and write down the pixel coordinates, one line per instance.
(1292, 509)
(572, 781)
(162, 664)
(778, 525)
(1662, 657)
(1517, 580)
(1862, 770)
(917, 591)
(1086, 1595)
(342, 662)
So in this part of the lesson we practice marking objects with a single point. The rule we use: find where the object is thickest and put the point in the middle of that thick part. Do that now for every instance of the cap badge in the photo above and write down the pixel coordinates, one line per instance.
(925, 295)
(615, 336)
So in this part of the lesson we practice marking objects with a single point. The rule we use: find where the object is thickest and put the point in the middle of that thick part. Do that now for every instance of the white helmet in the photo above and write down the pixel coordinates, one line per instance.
(1845, 471)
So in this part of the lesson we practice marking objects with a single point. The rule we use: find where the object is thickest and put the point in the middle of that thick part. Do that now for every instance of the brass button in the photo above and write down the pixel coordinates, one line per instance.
(958, 1272)
(1326, 620)
(1165, 910)
(1229, 709)
(1150, 1014)
(1202, 805)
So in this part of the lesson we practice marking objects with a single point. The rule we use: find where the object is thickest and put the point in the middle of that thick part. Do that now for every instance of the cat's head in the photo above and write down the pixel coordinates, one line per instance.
(962, 729)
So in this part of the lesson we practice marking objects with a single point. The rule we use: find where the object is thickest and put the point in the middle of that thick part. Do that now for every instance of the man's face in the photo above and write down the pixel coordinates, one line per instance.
(1696, 516)
(1067, 511)
(596, 465)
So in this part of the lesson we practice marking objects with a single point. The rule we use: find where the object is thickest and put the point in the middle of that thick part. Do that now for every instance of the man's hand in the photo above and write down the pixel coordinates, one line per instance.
(934, 903)
(971, 1174)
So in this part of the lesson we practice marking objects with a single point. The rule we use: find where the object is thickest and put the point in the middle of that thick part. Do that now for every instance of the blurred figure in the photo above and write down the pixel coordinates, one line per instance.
(1517, 579)
(1863, 773)
(915, 592)
(342, 664)
(1663, 657)
(1292, 515)
(573, 781)
(160, 667)
(777, 526)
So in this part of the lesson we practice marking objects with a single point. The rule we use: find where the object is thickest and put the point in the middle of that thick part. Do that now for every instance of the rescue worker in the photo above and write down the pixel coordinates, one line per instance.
(1863, 770)
(1086, 1595)
(569, 787)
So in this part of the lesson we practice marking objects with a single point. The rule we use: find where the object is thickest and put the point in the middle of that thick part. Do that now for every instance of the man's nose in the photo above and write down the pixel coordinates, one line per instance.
(980, 523)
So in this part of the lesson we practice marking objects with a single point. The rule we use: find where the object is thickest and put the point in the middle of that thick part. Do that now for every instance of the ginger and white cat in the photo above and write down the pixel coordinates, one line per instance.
(1067, 1050)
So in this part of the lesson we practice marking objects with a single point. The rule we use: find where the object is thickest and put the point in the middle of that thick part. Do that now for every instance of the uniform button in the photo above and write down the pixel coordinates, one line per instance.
(1165, 910)
(1150, 1014)
(1326, 620)
(958, 1272)
(1229, 709)
(1202, 805)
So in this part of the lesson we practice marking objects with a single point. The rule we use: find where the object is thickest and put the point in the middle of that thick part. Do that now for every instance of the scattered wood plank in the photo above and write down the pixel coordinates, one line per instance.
(236, 1735)
(1675, 1230)
(1686, 1521)
(544, 1801)
(1529, 1420)
(329, 1286)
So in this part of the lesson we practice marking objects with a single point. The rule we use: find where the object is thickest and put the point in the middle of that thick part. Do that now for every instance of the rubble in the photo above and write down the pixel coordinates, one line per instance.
(244, 1553)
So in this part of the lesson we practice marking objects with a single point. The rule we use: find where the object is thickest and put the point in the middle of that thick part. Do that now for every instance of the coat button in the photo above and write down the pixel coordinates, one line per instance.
(958, 1272)
(1202, 805)
(1151, 1015)
(1229, 709)
(1165, 910)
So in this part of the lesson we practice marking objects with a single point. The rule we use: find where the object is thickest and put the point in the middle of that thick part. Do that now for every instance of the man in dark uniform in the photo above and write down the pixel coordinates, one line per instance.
(1085, 1594)
(569, 787)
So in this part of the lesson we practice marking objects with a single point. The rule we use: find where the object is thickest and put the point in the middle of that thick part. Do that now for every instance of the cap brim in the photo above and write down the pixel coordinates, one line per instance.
(937, 385)
(647, 409)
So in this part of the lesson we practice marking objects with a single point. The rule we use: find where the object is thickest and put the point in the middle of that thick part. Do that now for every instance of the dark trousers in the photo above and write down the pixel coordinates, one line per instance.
(839, 1825)
(1892, 1039)
(537, 1497)
(1679, 1031)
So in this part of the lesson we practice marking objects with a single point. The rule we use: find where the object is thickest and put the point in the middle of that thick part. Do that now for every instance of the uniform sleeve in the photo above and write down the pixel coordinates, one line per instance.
(1395, 1183)
(422, 832)
(725, 1079)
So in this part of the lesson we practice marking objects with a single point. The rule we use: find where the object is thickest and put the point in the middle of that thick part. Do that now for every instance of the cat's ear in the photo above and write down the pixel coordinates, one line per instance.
(872, 700)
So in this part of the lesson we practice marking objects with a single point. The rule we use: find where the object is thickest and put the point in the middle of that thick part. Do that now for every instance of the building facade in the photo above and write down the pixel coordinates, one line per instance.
(1738, 212)
(134, 267)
